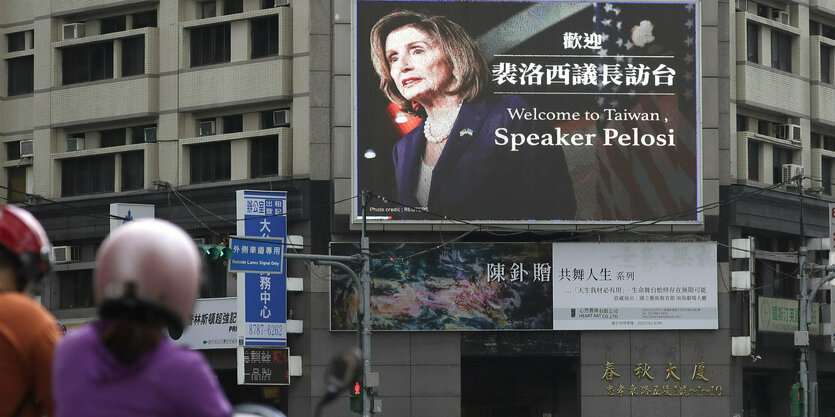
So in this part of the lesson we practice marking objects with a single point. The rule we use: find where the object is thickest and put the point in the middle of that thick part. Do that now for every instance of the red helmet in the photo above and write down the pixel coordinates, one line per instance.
(25, 238)
(146, 267)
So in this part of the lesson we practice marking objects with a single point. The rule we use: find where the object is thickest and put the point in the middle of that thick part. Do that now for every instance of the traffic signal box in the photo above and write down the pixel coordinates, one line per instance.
(215, 252)
(797, 400)
(356, 397)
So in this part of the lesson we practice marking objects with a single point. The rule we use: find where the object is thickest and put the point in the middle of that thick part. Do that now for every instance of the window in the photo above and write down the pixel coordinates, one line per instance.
(145, 19)
(16, 185)
(762, 11)
(233, 6)
(264, 156)
(210, 45)
(826, 64)
(87, 63)
(210, 162)
(133, 56)
(764, 127)
(17, 41)
(206, 9)
(113, 24)
(76, 288)
(267, 4)
(826, 175)
(781, 156)
(234, 123)
(781, 51)
(12, 150)
(137, 134)
(741, 123)
(753, 43)
(264, 36)
(112, 137)
(133, 171)
(21, 75)
(89, 175)
(753, 160)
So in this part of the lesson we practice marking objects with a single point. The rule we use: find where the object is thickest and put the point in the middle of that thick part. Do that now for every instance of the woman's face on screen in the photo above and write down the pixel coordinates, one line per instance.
(418, 64)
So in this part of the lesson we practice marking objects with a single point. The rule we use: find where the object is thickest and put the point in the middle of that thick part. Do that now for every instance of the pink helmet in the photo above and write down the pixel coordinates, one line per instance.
(149, 266)
(25, 238)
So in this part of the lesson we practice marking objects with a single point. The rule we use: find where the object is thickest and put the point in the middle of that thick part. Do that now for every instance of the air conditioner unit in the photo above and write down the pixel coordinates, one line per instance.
(27, 148)
(150, 134)
(780, 16)
(73, 30)
(207, 128)
(75, 144)
(65, 254)
(790, 171)
(281, 117)
(787, 132)
(742, 5)
(279, 3)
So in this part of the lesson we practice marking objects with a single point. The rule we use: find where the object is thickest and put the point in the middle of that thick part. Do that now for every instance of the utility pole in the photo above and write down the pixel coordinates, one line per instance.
(363, 284)
(802, 336)
(366, 319)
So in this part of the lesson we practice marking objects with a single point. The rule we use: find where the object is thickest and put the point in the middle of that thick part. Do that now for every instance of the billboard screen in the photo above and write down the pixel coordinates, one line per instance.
(527, 111)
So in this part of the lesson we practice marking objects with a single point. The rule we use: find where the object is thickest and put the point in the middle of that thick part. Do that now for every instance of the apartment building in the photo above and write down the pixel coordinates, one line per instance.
(174, 104)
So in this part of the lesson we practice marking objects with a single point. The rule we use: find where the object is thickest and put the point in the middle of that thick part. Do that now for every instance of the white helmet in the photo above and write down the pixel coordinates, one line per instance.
(148, 268)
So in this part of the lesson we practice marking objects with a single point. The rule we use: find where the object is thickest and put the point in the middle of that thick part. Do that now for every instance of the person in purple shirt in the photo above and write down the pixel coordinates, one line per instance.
(146, 279)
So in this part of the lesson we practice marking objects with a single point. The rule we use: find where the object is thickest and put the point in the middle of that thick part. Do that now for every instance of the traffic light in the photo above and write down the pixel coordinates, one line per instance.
(356, 397)
(215, 252)
(797, 400)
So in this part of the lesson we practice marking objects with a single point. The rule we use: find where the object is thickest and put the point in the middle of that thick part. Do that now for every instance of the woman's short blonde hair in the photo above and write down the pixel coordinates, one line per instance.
(468, 63)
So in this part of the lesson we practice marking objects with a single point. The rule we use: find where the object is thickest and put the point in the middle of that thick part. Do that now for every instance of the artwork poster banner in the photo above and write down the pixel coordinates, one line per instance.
(635, 286)
(585, 113)
(460, 287)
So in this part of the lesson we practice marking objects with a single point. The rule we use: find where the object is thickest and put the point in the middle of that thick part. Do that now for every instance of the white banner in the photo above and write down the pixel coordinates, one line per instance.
(213, 324)
(635, 286)
(126, 212)
(831, 233)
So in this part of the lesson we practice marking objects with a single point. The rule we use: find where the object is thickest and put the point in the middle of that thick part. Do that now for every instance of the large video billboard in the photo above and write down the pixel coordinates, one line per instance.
(527, 111)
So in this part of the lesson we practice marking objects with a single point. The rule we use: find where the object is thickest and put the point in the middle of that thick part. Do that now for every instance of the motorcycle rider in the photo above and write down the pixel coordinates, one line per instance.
(146, 279)
(28, 333)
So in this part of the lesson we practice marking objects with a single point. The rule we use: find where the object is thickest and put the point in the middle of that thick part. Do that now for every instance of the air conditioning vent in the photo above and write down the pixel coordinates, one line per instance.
(150, 134)
(27, 148)
(787, 132)
(73, 30)
(281, 118)
(207, 128)
(790, 171)
(65, 254)
(279, 3)
(75, 144)
(780, 16)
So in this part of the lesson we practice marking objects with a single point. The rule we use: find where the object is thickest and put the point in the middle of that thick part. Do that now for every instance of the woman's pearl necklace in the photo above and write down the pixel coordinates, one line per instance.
(446, 127)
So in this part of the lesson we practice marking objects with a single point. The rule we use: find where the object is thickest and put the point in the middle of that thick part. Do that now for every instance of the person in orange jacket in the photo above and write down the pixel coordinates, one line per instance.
(28, 333)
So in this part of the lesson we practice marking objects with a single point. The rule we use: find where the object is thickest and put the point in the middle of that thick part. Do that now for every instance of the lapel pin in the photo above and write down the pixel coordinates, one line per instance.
(466, 131)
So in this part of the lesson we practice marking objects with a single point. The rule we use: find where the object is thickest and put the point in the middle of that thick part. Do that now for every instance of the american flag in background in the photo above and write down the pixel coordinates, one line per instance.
(642, 183)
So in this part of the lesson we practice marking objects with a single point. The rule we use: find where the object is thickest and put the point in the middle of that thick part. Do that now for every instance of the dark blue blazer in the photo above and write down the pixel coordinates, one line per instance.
(475, 179)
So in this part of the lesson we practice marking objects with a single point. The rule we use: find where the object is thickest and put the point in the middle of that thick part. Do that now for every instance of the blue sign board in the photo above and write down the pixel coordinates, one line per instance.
(257, 255)
(262, 294)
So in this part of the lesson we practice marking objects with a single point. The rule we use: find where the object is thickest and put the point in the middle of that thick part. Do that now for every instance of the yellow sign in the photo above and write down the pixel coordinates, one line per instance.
(696, 387)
